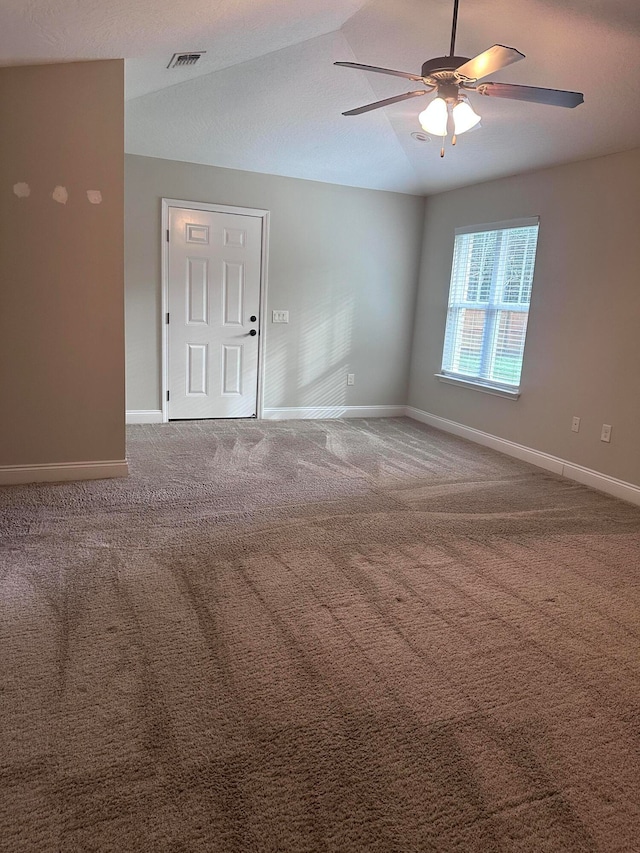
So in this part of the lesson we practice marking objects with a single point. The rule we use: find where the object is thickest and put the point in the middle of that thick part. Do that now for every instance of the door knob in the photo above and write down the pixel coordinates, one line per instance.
(253, 333)
(253, 318)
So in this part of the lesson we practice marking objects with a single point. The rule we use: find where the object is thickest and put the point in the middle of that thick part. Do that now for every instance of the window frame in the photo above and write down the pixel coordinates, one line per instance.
(491, 309)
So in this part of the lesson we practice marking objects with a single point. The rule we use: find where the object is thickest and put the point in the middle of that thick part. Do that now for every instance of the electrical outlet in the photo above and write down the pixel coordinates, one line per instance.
(605, 435)
(575, 425)
(280, 317)
(351, 379)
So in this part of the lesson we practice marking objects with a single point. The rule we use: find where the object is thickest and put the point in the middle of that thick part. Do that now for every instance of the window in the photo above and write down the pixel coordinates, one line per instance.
(489, 303)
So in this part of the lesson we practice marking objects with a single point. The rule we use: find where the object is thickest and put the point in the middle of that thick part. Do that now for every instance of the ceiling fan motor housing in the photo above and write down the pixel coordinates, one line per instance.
(443, 67)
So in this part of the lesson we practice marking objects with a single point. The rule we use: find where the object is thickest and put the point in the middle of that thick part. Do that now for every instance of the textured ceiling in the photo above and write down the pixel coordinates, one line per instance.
(267, 97)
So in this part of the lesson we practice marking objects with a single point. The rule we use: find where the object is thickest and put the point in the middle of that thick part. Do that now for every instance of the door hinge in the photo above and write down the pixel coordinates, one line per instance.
(168, 396)
(167, 318)
(167, 235)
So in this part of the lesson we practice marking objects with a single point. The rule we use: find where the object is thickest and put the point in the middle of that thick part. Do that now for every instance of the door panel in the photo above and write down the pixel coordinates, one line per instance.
(197, 369)
(214, 288)
(233, 294)
(197, 292)
(231, 369)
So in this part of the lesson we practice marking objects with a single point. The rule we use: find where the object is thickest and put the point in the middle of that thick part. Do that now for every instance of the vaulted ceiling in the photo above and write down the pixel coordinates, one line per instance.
(266, 96)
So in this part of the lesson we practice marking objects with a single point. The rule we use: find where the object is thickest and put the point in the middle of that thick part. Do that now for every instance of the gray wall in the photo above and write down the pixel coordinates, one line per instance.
(61, 265)
(582, 354)
(344, 263)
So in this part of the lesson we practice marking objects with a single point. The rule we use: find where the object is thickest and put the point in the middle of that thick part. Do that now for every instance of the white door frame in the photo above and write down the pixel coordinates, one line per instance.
(168, 203)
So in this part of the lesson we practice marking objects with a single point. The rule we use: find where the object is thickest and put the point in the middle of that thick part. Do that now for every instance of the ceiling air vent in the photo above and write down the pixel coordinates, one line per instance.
(185, 60)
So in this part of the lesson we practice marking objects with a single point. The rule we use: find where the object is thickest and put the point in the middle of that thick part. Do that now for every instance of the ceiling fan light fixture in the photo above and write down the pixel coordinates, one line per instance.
(464, 116)
(434, 119)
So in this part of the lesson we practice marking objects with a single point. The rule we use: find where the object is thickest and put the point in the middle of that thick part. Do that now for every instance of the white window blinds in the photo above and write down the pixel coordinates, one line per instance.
(489, 303)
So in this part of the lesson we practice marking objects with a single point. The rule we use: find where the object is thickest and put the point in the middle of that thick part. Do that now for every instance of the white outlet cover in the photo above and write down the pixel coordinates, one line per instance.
(280, 317)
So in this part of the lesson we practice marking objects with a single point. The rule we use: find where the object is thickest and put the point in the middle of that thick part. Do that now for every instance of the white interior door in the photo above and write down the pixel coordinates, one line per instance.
(214, 273)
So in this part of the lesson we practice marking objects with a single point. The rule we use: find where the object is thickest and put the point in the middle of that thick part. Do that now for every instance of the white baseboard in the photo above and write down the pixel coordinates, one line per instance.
(152, 416)
(328, 412)
(594, 479)
(144, 416)
(526, 454)
(62, 472)
(602, 482)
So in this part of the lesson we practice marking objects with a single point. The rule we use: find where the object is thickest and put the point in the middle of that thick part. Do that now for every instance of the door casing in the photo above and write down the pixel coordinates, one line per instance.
(264, 215)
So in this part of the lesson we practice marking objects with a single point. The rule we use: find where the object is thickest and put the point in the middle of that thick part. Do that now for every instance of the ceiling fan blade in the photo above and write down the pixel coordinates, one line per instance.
(405, 74)
(533, 94)
(491, 60)
(377, 104)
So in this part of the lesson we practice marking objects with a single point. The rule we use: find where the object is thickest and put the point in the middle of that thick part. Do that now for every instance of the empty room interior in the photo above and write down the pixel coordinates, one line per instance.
(319, 456)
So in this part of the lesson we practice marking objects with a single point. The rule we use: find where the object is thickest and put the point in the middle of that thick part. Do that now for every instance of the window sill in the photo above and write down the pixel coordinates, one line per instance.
(479, 386)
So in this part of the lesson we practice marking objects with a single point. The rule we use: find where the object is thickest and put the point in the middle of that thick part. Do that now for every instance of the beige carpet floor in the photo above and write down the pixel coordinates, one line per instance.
(344, 636)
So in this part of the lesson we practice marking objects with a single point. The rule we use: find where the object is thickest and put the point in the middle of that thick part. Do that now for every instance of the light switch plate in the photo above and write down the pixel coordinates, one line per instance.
(280, 317)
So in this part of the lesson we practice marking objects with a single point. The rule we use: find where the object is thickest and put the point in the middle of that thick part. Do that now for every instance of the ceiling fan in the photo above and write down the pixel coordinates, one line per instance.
(452, 76)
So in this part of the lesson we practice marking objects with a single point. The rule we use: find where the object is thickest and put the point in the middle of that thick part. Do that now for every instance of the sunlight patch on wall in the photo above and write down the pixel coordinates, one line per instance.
(326, 335)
